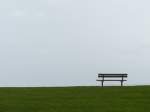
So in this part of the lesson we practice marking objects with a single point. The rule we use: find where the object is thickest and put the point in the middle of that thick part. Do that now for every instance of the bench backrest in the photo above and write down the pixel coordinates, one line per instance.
(113, 75)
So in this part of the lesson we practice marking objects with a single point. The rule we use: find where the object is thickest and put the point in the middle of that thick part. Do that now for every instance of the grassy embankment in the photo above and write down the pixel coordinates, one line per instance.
(75, 99)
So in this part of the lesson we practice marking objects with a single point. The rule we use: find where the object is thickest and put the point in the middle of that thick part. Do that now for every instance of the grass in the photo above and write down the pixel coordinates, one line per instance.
(75, 99)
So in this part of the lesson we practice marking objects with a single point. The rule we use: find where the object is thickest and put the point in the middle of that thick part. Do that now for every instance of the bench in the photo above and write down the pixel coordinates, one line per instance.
(112, 77)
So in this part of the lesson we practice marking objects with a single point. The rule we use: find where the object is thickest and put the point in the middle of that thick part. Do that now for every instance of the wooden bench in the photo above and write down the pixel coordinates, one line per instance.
(112, 77)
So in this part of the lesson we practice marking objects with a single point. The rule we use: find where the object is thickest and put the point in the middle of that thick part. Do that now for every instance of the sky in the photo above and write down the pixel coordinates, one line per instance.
(67, 42)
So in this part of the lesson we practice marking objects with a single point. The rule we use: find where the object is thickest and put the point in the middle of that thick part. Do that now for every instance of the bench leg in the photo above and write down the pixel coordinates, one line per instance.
(121, 83)
(102, 83)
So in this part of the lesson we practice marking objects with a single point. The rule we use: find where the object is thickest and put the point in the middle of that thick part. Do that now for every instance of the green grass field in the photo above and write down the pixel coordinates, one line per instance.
(75, 99)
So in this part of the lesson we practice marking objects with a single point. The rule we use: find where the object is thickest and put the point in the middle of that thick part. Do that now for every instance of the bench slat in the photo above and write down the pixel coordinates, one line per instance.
(113, 73)
(110, 80)
(111, 76)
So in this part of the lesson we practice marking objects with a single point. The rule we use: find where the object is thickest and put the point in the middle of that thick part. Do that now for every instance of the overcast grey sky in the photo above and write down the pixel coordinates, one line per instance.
(67, 42)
